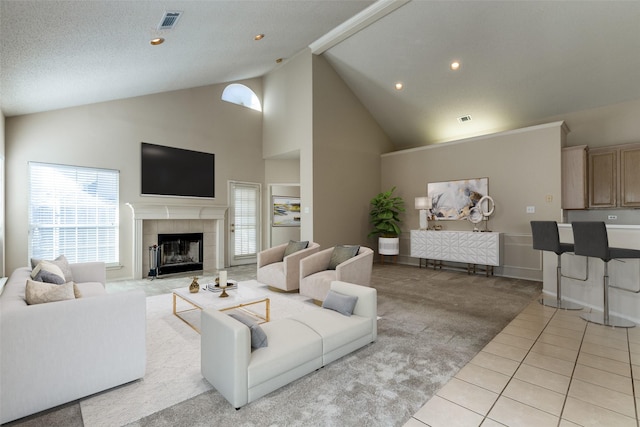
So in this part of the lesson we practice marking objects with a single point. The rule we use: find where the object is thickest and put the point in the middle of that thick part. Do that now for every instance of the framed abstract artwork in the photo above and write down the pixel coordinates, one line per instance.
(453, 200)
(285, 211)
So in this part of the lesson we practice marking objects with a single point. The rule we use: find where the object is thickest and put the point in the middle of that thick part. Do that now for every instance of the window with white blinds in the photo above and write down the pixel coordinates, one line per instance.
(73, 211)
(246, 217)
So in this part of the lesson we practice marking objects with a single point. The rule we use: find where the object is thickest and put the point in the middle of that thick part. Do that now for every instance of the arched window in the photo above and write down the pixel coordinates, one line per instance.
(241, 95)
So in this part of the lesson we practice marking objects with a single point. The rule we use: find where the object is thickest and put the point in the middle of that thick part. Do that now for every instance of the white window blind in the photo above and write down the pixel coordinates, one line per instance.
(246, 214)
(73, 211)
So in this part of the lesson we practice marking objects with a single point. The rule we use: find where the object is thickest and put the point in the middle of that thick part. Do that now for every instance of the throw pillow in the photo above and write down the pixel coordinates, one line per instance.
(40, 292)
(61, 262)
(294, 246)
(50, 268)
(341, 253)
(343, 304)
(258, 336)
(49, 277)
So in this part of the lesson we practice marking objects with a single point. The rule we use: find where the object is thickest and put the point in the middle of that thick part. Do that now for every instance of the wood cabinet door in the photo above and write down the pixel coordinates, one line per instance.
(603, 178)
(630, 177)
(574, 177)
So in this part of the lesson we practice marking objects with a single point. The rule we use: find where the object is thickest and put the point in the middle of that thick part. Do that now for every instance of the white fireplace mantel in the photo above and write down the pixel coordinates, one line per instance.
(143, 212)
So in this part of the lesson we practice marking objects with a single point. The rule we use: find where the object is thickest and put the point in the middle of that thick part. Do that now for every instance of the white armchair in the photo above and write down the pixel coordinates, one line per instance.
(315, 279)
(278, 271)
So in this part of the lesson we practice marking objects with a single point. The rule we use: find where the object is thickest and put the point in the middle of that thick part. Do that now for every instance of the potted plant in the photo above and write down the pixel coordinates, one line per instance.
(384, 216)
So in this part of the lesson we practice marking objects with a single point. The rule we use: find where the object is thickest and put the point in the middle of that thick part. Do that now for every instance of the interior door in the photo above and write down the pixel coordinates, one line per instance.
(244, 222)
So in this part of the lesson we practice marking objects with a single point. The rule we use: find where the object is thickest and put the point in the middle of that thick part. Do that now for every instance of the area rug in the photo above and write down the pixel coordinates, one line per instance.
(431, 323)
(173, 362)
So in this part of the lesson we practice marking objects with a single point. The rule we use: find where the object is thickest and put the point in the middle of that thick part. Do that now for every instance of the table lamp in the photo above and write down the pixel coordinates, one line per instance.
(423, 204)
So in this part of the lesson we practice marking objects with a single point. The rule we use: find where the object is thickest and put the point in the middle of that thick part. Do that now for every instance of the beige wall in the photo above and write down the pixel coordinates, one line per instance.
(108, 135)
(347, 143)
(288, 126)
(523, 168)
(609, 125)
(2, 198)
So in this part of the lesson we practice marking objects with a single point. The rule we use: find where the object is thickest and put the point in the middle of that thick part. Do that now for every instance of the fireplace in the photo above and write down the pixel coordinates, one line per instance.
(179, 252)
(149, 220)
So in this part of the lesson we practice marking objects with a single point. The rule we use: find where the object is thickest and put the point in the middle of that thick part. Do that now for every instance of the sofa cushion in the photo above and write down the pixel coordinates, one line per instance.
(61, 262)
(294, 246)
(40, 292)
(335, 329)
(91, 289)
(291, 344)
(341, 253)
(258, 337)
(343, 304)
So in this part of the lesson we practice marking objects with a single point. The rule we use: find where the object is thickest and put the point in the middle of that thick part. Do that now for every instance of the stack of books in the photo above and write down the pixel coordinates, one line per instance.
(231, 284)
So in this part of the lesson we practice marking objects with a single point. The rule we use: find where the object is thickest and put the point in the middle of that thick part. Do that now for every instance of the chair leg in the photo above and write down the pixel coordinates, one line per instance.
(557, 302)
(604, 318)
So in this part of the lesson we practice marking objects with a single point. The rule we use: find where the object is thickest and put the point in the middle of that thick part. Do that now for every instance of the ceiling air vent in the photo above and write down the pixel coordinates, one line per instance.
(169, 19)
(464, 119)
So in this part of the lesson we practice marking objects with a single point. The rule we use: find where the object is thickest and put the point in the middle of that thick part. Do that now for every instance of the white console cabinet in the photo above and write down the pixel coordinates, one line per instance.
(472, 248)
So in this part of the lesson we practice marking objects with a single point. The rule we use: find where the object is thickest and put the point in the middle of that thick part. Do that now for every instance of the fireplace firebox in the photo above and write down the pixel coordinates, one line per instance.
(179, 252)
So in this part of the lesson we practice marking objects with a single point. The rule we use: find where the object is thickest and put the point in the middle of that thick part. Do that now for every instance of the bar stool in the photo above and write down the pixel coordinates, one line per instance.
(546, 238)
(591, 239)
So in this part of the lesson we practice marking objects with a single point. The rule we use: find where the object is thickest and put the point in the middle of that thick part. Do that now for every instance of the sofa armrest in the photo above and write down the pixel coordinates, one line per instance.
(357, 269)
(86, 344)
(367, 305)
(271, 255)
(315, 263)
(89, 272)
(225, 347)
(292, 263)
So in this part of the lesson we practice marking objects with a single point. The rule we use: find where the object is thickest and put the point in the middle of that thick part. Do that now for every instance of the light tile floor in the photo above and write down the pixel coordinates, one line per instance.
(548, 367)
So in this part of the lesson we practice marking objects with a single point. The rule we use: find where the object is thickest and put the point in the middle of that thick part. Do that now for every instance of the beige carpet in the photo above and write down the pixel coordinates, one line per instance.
(431, 324)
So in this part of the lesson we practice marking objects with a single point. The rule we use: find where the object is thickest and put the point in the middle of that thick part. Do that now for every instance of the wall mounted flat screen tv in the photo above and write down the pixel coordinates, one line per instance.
(169, 171)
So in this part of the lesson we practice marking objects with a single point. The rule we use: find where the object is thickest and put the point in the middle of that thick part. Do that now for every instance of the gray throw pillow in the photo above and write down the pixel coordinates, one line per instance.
(294, 246)
(61, 262)
(343, 304)
(258, 336)
(49, 277)
(341, 253)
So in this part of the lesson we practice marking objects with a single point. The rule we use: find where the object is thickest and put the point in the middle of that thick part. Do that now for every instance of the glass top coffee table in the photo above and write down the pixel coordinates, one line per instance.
(239, 298)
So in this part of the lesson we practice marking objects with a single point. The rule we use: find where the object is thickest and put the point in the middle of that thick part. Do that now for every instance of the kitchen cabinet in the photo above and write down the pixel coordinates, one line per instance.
(614, 180)
(603, 177)
(574, 177)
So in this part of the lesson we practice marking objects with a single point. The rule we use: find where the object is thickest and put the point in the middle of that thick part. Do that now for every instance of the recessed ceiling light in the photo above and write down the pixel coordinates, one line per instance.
(399, 86)
(258, 37)
(455, 65)
(157, 41)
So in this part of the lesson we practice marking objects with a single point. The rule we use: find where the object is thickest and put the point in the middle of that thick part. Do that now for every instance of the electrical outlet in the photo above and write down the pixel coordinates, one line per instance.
(612, 217)
(549, 198)
(531, 209)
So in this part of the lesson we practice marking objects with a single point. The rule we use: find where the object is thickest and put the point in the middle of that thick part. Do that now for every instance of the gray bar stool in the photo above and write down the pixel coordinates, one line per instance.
(546, 238)
(591, 239)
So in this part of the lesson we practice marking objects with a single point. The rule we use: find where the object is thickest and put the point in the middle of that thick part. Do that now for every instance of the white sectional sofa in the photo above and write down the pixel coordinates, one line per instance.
(57, 352)
(296, 346)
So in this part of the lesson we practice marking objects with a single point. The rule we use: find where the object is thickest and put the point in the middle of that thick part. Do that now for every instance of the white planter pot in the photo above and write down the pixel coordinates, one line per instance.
(388, 245)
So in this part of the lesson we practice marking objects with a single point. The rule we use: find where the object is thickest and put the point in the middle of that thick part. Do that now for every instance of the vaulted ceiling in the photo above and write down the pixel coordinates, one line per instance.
(520, 61)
